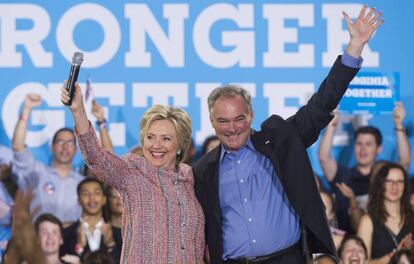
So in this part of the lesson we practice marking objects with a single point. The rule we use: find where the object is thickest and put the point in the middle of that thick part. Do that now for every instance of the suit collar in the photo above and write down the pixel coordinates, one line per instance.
(214, 155)
(249, 144)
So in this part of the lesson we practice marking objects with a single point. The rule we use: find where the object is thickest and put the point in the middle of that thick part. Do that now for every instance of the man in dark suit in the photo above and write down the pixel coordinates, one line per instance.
(257, 188)
(91, 233)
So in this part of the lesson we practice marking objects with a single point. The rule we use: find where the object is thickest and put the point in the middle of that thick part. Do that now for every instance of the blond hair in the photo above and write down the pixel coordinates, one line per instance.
(180, 120)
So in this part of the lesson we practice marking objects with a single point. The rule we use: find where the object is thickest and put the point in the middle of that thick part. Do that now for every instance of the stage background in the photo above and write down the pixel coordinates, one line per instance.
(138, 54)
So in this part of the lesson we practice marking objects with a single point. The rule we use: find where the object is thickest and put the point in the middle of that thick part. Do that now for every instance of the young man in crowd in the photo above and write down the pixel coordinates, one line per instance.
(49, 231)
(351, 185)
(91, 232)
(54, 186)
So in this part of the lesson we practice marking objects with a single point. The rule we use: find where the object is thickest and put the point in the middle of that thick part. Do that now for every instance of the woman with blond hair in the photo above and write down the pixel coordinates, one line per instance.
(162, 221)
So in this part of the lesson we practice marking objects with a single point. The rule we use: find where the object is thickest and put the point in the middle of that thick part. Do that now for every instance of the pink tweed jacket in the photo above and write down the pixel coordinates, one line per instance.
(162, 220)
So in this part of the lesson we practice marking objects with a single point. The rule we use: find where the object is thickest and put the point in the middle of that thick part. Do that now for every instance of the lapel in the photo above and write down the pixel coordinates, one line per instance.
(211, 176)
(267, 144)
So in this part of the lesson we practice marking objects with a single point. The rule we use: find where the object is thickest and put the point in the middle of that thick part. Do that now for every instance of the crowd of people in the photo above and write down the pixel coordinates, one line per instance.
(251, 197)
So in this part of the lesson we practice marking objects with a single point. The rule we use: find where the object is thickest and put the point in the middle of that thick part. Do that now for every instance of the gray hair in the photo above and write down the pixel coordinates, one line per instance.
(229, 90)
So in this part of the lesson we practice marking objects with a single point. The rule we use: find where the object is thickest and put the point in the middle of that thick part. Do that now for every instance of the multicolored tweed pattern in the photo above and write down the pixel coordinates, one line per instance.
(162, 220)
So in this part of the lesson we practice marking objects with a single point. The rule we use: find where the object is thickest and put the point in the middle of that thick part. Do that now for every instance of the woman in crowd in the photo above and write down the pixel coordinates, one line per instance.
(389, 224)
(162, 220)
(115, 207)
(353, 250)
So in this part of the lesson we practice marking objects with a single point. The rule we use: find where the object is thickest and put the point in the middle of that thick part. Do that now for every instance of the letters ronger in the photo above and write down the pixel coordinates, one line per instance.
(168, 34)
(235, 48)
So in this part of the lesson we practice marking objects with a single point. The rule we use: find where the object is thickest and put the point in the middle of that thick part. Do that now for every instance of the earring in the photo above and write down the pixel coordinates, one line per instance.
(178, 152)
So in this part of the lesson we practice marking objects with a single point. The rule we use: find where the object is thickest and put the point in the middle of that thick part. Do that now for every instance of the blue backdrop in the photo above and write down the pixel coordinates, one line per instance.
(138, 54)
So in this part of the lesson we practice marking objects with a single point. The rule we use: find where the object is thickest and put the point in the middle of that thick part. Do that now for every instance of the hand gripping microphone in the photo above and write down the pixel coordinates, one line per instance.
(77, 60)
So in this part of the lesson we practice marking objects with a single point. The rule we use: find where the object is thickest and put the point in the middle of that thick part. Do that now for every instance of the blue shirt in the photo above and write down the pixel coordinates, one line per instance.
(257, 217)
(52, 193)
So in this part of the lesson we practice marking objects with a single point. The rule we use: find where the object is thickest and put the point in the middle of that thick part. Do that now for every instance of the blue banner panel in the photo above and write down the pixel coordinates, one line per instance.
(371, 93)
(175, 52)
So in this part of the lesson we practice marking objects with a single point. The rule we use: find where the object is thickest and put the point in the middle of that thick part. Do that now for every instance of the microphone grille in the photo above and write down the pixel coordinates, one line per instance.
(77, 58)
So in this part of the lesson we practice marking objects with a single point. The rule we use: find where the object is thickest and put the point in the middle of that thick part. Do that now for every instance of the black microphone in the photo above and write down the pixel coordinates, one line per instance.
(77, 60)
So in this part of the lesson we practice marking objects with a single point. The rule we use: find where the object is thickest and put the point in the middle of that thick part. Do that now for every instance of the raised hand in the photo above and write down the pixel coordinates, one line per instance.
(335, 120)
(24, 235)
(77, 108)
(98, 111)
(77, 101)
(365, 25)
(362, 29)
(32, 100)
(399, 114)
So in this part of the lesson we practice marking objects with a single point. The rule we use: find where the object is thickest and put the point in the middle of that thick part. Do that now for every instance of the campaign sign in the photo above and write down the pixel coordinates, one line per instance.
(373, 93)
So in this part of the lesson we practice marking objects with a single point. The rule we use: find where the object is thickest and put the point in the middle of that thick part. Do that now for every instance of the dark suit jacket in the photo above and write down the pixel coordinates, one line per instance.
(284, 142)
(70, 238)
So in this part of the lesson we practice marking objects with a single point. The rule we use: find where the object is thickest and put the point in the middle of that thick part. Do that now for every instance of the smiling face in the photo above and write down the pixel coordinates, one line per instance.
(91, 198)
(64, 147)
(161, 144)
(353, 253)
(50, 237)
(231, 120)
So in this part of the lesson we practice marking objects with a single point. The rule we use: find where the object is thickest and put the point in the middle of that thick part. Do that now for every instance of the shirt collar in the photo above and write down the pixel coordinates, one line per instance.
(71, 174)
(98, 225)
(249, 145)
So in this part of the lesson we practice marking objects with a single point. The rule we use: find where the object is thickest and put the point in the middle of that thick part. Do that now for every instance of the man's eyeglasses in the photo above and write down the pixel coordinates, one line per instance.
(61, 142)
